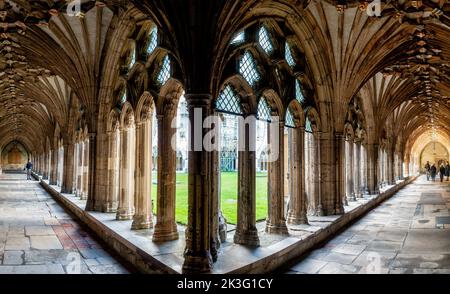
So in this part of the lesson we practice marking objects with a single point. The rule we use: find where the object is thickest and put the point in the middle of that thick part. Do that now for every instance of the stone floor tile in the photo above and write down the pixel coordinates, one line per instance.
(13, 257)
(397, 237)
(309, 266)
(38, 231)
(17, 243)
(33, 237)
(45, 242)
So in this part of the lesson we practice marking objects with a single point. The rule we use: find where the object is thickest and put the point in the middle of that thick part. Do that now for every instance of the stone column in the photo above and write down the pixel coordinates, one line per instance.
(341, 199)
(390, 168)
(297, 213)
(85, 170)
(215, 189)
(276, 222)
(349, 170)
(407, 167)
(75, 168)
(112, 195)
(372, 169)
(45, 176)
(364, 170)
(215, 200)
(67, 184)
(125, 211)
(54, 167)
(39, 165)
(166, 227)
(91, 159)
(318, 176)
(80, 169)
(197, 255)
(357, 169)
(400, 167)
(246, 232)
(142, 218)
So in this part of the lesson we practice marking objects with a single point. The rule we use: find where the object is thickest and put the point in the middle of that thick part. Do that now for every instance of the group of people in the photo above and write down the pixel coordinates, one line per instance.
(431, 170)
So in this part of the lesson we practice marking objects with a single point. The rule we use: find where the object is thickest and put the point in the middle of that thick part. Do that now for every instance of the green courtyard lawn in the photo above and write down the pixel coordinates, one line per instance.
(228, 197)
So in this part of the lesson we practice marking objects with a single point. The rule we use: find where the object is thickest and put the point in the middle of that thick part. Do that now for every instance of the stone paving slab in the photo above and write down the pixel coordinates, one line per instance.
(38, 237)
(398, 237)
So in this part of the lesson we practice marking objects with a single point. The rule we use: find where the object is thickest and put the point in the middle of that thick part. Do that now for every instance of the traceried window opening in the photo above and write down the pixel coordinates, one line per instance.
(229, 102)
(289, 119)
(247, 68)
(308, 125)
(299, 92)
(164, 73)
(288, 55)
(132, 58)
(264, 111)
(153, 41)
(264, 40)
(124, 97)
(238, 38)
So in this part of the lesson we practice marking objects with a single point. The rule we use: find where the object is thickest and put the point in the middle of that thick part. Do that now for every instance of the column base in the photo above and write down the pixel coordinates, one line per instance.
(98, 207)
(301, 219)
(214, 245)
(110, 207)
(339, 210)
(197, 264)
(279, 229)
(89, 204)
(320, 211)
(83, 196)
(141, 222)
(247, 238)
(352, 197)
(124, 214)
(165, 232)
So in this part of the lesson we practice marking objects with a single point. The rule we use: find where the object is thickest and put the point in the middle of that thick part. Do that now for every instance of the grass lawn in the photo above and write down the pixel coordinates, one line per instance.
(228, 197)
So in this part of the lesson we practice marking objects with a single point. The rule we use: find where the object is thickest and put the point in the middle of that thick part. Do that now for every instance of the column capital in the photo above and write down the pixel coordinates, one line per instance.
(339, 135)
(198, 100)
(193, 97)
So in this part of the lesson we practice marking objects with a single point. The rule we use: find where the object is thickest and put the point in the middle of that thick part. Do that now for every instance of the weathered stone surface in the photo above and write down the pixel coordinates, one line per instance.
(394, 244)
(35, 241)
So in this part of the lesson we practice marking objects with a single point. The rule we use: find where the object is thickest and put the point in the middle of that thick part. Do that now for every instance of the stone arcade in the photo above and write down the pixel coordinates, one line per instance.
(98, 95)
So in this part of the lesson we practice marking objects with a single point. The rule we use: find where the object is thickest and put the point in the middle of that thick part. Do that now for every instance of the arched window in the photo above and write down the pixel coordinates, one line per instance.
(247, 68)
(164, 73)
(288, 55)
(124, 97)
(264, 40)
(132, 58)
(264, 112)
(152, 41)
(228, 102)
(299, 92)
(289, 119)
(308, 126)
(238, 38)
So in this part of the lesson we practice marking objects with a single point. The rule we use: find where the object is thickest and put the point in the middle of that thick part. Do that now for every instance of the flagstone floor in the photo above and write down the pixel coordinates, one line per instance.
(409, 233)
(38, 237)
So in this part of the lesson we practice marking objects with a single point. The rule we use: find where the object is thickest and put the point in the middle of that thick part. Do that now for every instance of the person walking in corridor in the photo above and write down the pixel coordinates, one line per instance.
(29, 167)
(442, 172)
(447, 170)
(427, 170)
(433, 171)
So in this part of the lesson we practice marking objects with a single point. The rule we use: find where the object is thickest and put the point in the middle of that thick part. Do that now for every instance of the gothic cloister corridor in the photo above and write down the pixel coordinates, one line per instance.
(407, 234)
(224, 137)
(38, 237)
